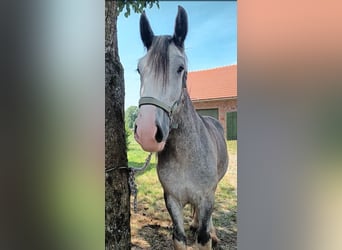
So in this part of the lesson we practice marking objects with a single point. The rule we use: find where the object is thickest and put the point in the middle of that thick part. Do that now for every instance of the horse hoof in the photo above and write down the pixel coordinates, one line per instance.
(215, 242)
(214, 239)
(179, 245)
(207, 246)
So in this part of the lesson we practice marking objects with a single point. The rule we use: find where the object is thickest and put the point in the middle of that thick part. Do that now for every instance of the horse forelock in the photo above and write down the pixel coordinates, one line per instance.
(158, 59)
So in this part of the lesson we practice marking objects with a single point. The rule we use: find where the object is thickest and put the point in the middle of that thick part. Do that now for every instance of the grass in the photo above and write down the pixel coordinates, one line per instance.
(152, 227)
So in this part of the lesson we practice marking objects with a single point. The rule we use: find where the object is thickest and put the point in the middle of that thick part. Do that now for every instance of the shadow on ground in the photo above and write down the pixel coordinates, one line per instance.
(157, 237)
(226, 229)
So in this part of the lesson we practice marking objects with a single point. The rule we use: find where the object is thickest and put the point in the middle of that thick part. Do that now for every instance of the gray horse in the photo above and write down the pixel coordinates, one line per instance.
(192, 151)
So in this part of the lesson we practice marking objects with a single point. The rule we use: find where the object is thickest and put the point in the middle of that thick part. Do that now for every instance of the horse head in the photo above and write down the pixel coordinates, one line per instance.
(162, 77)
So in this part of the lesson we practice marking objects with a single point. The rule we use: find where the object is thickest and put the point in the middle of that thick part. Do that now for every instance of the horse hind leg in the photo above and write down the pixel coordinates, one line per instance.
(194, 224)
(214, 238)
(176, 212)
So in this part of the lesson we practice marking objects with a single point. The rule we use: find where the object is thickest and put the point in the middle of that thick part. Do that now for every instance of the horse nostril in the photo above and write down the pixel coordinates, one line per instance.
(135, 129)
(159, 134)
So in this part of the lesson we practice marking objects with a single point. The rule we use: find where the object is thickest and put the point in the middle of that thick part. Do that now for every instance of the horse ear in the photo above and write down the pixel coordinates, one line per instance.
(181, 27)
(146, 32)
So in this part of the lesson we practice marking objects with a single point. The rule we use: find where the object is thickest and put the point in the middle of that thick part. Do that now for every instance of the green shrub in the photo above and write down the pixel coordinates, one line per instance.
(128, 134)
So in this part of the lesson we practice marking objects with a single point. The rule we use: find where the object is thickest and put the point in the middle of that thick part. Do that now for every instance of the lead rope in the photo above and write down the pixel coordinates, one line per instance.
(131, 180)
(133, 185)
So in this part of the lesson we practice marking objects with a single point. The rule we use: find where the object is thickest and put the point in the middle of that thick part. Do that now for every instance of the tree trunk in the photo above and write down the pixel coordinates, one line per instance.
(117, 221)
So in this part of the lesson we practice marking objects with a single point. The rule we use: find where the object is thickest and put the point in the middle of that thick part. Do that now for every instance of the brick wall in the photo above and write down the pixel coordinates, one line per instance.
(223, 107)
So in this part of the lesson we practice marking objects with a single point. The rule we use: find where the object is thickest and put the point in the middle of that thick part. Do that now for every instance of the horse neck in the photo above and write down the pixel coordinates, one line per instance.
(185, 137)
(187, 117)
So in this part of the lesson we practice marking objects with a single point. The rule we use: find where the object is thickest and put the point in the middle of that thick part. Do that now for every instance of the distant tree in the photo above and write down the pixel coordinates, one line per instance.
(117, 197)
(130, 116)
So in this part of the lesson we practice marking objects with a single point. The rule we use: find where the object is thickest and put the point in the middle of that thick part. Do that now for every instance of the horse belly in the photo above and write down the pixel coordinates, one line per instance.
(218, 142)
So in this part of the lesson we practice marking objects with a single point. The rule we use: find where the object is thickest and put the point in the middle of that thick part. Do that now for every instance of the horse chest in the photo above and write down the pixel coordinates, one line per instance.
(184, 183)
(174, 180)
(171, 177)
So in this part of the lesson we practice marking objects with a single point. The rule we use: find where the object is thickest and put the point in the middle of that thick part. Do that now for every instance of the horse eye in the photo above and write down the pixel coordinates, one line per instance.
(180, 69)
(138, 71)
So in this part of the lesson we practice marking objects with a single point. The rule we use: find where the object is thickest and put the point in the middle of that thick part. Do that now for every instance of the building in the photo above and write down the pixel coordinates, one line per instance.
(214, 92)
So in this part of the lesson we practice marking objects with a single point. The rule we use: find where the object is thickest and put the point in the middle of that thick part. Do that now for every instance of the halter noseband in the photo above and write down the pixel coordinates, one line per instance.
(149, 100)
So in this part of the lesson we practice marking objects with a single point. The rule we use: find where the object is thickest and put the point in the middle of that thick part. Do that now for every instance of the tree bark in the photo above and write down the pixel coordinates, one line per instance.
(117, 197)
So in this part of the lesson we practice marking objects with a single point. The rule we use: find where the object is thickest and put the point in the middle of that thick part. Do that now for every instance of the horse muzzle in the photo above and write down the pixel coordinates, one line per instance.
(151, 128)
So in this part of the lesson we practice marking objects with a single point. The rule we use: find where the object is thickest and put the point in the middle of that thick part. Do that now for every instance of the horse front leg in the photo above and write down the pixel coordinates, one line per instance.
(195, 225)
(176, 212)
(204, 232)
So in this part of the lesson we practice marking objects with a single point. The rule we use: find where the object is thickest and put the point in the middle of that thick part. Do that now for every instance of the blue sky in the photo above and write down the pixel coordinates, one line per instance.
(211, 40)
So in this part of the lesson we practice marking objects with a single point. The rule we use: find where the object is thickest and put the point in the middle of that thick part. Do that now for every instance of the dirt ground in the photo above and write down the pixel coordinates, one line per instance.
(152, 233)
(151, 226)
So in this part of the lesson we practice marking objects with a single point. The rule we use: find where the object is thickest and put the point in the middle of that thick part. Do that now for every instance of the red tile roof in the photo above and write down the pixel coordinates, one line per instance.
(213, 83)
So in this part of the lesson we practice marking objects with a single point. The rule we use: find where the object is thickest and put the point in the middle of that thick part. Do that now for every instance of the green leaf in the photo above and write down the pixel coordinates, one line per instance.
(138, 6)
